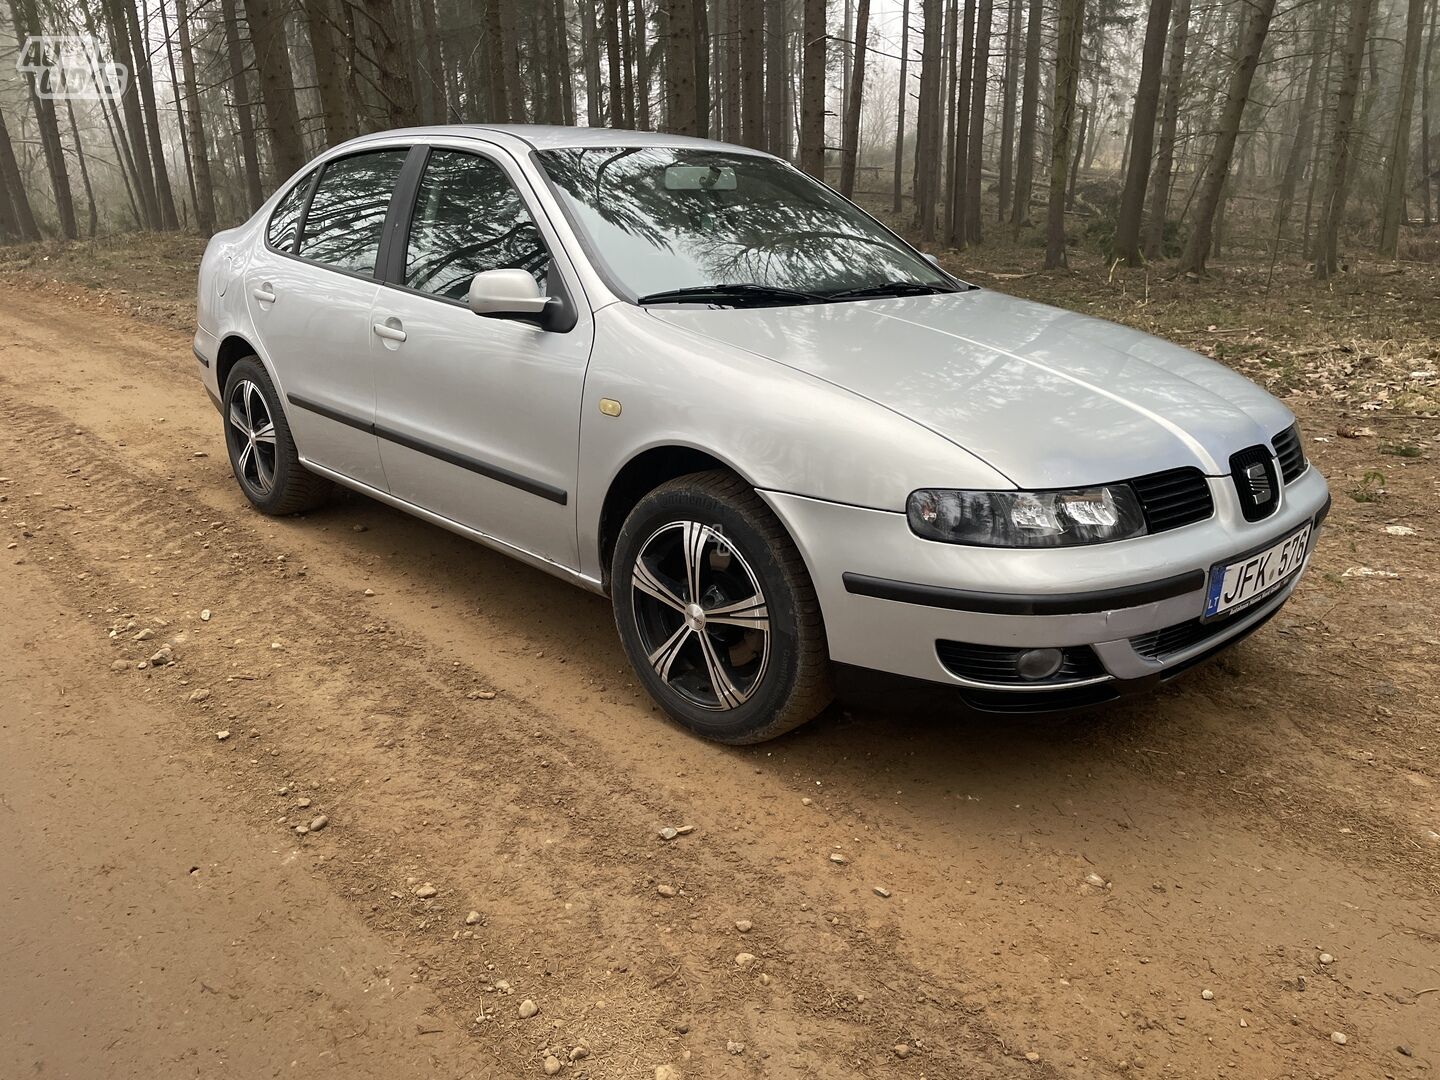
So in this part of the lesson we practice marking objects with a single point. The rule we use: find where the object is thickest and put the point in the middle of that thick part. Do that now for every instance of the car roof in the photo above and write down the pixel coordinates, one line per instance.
(556, 136)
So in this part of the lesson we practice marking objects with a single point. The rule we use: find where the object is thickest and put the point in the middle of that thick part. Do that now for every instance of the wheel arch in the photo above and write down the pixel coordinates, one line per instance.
(642, 474)
(233, 349)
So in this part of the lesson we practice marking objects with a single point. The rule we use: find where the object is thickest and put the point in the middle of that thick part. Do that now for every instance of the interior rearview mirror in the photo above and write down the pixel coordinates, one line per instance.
(505, 292)
(699, 178)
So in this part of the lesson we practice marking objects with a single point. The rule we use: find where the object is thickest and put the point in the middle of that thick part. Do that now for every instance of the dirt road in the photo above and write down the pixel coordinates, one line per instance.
(1062, 892)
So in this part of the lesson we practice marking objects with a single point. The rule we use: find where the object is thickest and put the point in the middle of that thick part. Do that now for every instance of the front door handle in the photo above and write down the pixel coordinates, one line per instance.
(390, 330)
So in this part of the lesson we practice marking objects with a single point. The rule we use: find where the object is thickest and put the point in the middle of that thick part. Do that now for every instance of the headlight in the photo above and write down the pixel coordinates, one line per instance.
(1027, 518)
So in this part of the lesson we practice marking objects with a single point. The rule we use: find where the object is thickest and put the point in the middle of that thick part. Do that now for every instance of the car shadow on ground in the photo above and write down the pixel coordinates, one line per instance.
(871, 707)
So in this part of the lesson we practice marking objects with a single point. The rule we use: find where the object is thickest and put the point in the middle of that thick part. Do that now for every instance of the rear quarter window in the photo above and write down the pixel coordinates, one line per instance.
(285, 220)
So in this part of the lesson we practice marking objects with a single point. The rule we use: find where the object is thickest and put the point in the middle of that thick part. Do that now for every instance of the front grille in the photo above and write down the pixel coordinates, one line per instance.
(1165, 643)
(1174, 498)
(1253, 472)
(996, 664)
(1173, 640)
(1290, 452)
(1062, 699)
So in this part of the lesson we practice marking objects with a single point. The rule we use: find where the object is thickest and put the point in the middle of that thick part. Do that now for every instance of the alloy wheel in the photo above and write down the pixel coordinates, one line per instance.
(701, 615)
(252, 431)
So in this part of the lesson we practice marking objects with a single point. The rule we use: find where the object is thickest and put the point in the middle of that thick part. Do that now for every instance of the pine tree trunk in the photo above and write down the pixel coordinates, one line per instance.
(510, 61)
(1142, 134)
(610, 23)
(21, 215)
(1169, 121)
(642, 67)
(1337, 181)
(176, 90)
(1217, 168)
(812, 100)
(144, 77)
(979, 86)
(1007, 107)
(431, 61)
(850, 148)
(700, 51)
(927, 135)
(125, 162)
(777, 124)
(1427, 77)
(960, 115)
(752, 73)
(494, 44)
(679, 29)
(26, 21)
(393, 58)
(1392, 208)
(627, 68)
(1322, 143)
(1075, 158)
(896, 204)
(953, 113)
(1304, 131)
(195, 121)
(134, 115)
(1067, 81)
(243, 104)
(559, 20)
(94, 212)
(730, 99)
(1029, 109)
(589, 46)
(277, 87)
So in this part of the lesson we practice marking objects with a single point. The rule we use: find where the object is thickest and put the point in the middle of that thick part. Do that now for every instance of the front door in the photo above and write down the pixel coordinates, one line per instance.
(310, 296)
(478, 418)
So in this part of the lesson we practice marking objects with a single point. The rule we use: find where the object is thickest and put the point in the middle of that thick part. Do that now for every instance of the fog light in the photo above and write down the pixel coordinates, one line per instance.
(1037, 664)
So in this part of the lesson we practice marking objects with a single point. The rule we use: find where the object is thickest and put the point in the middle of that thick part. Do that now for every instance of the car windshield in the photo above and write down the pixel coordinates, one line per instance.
(703, 226)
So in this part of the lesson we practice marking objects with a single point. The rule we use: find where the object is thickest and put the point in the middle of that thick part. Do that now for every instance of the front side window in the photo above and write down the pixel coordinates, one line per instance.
(285, 221)
(469, 218)
(342, 229)
(668, 220)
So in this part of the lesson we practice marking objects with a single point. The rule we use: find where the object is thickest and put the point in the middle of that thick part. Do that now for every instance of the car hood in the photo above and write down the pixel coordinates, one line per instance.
(1048, 397)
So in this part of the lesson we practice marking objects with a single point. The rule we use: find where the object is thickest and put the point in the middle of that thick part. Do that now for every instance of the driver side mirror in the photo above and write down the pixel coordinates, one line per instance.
(505, 292)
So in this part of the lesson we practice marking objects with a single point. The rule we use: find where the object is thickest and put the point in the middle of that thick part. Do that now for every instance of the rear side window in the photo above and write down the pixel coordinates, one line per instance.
(468, 218)
(342, 228)
(285, 221)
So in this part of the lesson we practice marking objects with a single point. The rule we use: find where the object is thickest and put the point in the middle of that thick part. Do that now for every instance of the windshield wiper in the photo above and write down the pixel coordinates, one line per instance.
(889, 288)
(731, 294)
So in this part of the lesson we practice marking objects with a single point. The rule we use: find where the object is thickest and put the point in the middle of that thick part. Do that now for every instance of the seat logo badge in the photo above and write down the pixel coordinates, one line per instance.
(1260, 490)
(609, 406)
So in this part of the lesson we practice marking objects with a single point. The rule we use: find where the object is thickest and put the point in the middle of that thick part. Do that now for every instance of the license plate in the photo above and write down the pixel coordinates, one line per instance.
(1240, 583)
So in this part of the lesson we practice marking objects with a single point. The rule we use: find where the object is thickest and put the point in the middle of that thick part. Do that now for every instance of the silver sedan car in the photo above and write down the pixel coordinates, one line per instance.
(686, 375)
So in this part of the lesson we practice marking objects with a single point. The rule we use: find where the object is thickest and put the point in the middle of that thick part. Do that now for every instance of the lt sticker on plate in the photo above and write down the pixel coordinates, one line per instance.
(1237, 584)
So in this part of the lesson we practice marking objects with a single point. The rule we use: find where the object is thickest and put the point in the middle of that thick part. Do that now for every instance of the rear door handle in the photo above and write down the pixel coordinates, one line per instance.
(387, 331)
(263, 293)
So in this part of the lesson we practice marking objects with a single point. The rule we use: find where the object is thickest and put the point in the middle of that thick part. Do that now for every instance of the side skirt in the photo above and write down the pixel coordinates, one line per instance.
(540, 562)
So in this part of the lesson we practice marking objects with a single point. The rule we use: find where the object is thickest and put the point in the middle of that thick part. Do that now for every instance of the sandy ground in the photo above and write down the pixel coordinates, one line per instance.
(471, 726)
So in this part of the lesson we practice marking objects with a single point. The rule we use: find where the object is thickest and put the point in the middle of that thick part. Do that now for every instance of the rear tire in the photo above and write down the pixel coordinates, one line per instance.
(717, 612)
(261, 448)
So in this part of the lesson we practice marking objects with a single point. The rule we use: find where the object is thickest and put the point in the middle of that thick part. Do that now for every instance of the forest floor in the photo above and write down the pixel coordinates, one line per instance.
(1061, 891)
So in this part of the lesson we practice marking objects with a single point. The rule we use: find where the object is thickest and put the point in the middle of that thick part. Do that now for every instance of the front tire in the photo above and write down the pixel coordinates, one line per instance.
(717, 612)
(262, 450)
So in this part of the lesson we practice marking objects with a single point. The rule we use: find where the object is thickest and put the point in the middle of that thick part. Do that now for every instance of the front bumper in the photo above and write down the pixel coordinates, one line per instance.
(1128, 612)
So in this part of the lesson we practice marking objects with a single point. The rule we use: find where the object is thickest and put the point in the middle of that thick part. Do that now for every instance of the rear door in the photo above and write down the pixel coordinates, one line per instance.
(310, 296)
(479, 417)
